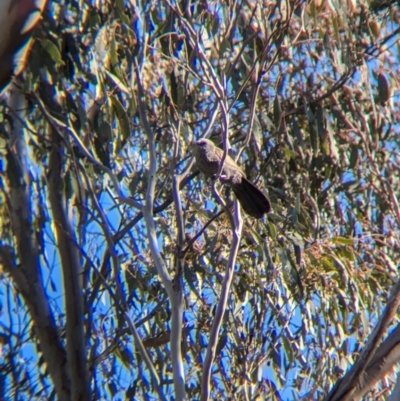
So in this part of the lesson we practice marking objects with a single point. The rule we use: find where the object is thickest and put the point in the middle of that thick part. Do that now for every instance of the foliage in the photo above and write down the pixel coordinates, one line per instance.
(308, 95)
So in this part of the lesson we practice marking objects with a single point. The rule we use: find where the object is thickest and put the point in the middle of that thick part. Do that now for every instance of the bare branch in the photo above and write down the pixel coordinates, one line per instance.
(174, 290)
(27, 276)
(237, 225)
(145, 356)
(372, 363)
(72, 271)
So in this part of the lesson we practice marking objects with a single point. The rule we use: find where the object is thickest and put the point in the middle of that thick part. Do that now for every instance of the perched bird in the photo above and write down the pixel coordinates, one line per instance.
(208, 158)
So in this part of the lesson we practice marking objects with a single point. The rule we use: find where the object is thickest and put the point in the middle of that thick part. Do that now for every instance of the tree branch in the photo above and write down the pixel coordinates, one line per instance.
(27, 275)
(237, 224)
(72, 274)
(174, 290)
(372, 363)
(145, 356)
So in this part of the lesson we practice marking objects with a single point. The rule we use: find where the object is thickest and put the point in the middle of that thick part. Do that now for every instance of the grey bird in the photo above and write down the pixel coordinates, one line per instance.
(208, 158)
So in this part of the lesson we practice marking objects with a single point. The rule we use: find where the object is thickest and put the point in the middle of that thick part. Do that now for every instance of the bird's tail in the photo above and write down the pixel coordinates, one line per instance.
(252, 200)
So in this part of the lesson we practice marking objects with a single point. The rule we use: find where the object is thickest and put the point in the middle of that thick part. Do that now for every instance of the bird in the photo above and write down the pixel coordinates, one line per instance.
(208, 158)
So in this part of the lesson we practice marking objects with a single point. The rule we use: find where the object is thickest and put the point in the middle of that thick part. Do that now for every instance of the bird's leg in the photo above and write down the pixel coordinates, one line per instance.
(222, 202)
(223, 178)
(216, 194)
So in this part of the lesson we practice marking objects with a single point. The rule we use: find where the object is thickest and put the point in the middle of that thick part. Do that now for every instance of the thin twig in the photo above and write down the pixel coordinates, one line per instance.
(145, 356)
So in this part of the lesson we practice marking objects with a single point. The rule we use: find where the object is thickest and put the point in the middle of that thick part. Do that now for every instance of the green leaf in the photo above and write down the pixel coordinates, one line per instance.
(120, 85)
(257, 133)
(225, 49)
(343, 241)
(383, 88)
(121, 116)
(221, 343)
(277, 111)
(125, 356)
(52, 50)
(314, 136)
(271, 230)
(288, 349)
(191, 279)
(335, 25)
(347, 253)
(69, 185)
